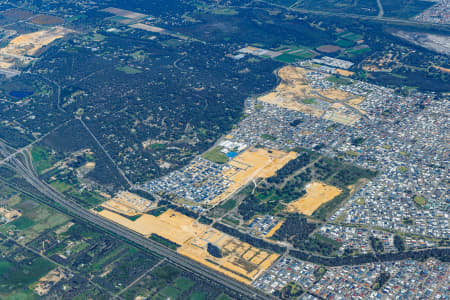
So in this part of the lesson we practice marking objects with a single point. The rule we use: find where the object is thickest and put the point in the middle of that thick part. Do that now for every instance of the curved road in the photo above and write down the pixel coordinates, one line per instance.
(25, 169)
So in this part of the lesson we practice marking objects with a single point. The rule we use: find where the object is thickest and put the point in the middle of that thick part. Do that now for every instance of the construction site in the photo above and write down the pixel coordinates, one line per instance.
(129, 204)
(238, 259)
(252, 164)
(296, 92)
(22, 50)
(317, 193)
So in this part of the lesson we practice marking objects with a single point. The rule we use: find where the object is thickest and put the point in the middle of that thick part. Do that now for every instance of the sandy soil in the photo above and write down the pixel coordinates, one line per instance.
(129, 203)
(251, 164)
(344, 72)
(274, 229)
(193, 238)
(317, 193)
(292, 88)
(22, 47)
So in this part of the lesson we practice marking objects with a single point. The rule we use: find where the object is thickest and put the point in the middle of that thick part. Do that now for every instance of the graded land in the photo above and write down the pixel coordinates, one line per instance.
(296, 93)
(252, 164)
(317, 193)
(21, 49)
(128, 204)
(239, 260)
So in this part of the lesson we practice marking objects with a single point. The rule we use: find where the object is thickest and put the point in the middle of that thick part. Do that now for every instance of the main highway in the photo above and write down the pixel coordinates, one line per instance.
(379, 18)
(24, 168)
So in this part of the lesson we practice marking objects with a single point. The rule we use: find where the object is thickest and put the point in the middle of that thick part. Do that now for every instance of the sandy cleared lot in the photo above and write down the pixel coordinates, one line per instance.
(251, 164)
(335, 94)
(260, 163)
(274, 229)
(338, 113)
(22, 47)
(294, 88)
(128, 204)
(44, 285)
(124, 13)
(317, 193)
(10, 214)
(193, 238)
(28, 44)
(344, 72)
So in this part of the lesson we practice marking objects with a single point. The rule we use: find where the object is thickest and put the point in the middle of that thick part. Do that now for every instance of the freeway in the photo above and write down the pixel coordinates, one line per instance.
(381, 19)
(25, 169)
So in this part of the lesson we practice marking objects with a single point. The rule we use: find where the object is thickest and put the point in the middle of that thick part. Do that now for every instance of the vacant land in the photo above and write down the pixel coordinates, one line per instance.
(317, 193)
(275, 195)
(293, 86)
(295, 93)
(47, 20)
(252, 164)
(21, 49)
(128, 204)
(193, 238)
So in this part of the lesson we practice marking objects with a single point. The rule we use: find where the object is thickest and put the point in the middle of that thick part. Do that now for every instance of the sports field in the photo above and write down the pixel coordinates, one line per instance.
(317, 193)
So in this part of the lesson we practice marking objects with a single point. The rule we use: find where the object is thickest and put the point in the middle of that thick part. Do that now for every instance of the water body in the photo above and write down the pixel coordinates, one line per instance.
(20, 94)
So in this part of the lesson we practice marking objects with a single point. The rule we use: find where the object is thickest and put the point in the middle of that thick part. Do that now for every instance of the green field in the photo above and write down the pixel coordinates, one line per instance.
(359, 51)
(268, 137)
(229, 205)
(97, 266)
(22, 223)
(169, 292)
(286, 58)
(42, 159)
(215, 155)
(301, 53)
(183, 283)
(339, 80)
(420, 200)
(16, 276)
(351, 36)
(225, 11)
(60, 186)
(128, 70)
(96, 37)
(223, 297)
(308, 101)
(197, 296)
(344, 43)
(87, 198)
(35, 219)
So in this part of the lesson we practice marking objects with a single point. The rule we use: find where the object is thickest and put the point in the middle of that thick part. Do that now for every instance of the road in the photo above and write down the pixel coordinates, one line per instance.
(380, 9)
(379, 19)
(106, 152)
(25, 169)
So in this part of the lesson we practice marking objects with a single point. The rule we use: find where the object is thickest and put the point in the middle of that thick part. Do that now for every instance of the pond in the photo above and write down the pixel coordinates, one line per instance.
(20, 94)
